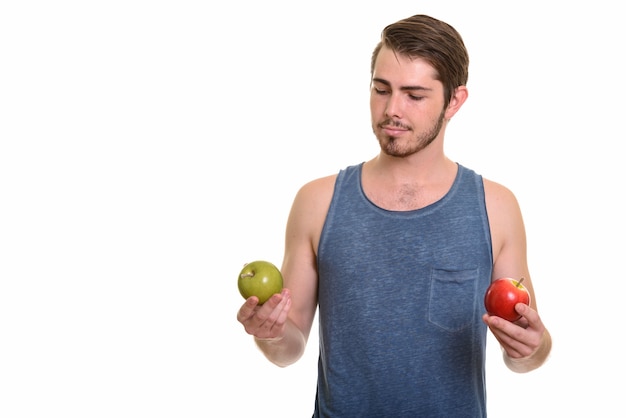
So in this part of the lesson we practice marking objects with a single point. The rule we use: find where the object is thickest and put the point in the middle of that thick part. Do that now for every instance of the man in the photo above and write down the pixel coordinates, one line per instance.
(397, 253)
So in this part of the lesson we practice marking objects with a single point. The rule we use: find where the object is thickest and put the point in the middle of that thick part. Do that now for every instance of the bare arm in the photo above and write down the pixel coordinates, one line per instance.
(282, 325)
(526, 344)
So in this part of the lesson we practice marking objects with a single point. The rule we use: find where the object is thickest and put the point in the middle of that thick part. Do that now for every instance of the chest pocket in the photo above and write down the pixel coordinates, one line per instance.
(452, 298)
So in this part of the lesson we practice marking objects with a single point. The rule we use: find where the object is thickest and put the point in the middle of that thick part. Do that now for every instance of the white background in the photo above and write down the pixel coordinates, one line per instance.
(150, 148)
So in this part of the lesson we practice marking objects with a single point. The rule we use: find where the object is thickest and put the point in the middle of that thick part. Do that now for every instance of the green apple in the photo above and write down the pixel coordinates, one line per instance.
(261, 279)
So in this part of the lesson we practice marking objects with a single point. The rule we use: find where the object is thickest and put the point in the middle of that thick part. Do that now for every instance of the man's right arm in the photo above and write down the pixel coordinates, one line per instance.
(281, 326)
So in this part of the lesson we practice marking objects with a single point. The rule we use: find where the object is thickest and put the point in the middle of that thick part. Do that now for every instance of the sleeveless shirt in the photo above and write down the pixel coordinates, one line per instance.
(400, 304)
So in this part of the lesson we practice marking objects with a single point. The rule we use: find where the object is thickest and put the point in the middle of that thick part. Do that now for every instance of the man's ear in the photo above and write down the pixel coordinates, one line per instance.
(457, 100)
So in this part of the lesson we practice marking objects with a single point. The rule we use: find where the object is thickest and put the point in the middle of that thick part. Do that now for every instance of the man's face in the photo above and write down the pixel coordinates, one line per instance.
(406, 104)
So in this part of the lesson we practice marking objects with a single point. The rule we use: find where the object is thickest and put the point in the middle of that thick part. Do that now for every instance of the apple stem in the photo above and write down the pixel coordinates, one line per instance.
(519, 282)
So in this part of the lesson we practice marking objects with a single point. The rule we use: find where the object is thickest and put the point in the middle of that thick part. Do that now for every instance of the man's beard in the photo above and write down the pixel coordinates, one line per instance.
(390, 146)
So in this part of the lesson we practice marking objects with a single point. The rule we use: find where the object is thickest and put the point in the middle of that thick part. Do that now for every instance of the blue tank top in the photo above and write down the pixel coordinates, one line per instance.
(400, 304)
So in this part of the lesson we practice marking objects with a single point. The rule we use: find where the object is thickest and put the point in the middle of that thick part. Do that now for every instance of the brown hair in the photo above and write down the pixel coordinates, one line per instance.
(433, 40)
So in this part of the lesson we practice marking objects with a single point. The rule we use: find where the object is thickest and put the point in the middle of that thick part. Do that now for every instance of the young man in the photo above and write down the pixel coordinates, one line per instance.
(397, 254)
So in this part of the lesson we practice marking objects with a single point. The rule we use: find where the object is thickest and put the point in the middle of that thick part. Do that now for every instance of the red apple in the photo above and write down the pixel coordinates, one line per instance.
(261, 279)
(503, 294)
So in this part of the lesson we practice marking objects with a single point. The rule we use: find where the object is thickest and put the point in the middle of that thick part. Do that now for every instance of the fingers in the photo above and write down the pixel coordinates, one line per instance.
(519, 339)
(277, 303)
(265, 321)
(247, 309)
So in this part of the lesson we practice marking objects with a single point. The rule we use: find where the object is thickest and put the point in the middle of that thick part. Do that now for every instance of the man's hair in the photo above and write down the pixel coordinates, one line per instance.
(432, 40)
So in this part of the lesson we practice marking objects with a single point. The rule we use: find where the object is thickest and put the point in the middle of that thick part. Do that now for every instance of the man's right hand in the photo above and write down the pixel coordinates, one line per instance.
(267, 321)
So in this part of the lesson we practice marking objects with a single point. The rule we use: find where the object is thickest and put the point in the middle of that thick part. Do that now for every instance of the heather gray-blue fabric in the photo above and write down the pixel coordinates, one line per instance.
(400, 304)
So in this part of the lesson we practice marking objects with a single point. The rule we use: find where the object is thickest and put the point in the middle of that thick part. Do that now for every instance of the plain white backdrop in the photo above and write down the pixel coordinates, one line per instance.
(149, 149)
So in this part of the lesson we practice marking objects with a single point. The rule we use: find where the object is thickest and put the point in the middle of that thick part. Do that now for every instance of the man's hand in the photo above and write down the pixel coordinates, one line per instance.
(267, 321)
(526, 343)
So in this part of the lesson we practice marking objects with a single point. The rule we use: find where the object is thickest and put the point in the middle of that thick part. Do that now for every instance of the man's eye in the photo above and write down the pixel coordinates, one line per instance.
(416, 98)
(381, 92)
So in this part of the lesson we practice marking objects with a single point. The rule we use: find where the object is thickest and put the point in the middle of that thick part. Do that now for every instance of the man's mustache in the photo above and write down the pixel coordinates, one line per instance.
(390, 123)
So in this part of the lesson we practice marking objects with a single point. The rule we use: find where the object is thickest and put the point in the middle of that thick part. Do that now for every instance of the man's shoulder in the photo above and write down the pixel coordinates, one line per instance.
(497, 191)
